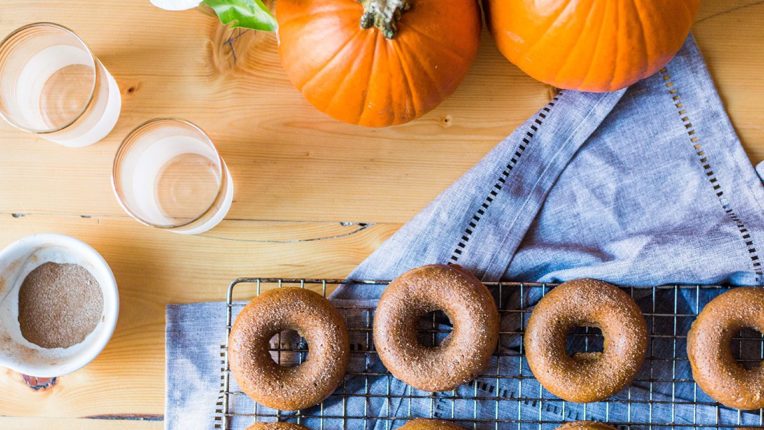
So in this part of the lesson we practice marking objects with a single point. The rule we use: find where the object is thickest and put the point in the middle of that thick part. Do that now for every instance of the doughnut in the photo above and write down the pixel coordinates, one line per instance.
(585, 425)
(464, 353)
(710, 351)
(276, 426)
(585, 376)
(421, 424)
(280, 387)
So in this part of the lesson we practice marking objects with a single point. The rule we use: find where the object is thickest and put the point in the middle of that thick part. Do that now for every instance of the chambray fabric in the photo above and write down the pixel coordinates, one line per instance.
(641, 187)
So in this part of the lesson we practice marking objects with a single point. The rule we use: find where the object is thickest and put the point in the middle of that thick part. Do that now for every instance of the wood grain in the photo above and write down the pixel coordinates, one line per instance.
(11, 423)
(314, 197)
(285, 156)
(127, 378)
(730, 34)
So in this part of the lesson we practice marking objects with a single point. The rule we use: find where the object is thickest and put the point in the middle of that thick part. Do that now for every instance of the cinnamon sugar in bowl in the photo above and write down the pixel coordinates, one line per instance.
(58, 305)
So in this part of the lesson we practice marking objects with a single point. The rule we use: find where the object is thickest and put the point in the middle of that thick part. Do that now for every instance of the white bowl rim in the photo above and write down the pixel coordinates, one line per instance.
(111, 314)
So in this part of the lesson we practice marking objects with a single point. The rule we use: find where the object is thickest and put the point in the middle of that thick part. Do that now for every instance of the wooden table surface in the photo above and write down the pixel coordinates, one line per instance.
(313, 196)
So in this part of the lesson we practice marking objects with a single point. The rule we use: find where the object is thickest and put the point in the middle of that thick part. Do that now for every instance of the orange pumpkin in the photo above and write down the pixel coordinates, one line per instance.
(377, 62)
(590, 45)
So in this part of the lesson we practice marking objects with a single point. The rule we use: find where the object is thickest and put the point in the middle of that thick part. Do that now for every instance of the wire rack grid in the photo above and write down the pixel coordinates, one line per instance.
(506, 396)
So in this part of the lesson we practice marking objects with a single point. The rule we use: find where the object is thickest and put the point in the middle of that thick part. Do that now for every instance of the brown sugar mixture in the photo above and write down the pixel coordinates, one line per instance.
(59, 305)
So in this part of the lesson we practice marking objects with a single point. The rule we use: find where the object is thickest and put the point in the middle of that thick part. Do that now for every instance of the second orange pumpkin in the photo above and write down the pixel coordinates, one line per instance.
(378, 62)
(590, 45)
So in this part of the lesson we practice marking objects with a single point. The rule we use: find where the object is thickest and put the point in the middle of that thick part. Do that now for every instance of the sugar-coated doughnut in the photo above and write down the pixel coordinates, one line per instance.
(315, 319)
(463, 354)
(709, 348)
(585, 376)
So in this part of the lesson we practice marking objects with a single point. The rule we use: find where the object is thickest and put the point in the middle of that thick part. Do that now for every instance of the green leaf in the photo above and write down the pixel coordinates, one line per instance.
(253, 14)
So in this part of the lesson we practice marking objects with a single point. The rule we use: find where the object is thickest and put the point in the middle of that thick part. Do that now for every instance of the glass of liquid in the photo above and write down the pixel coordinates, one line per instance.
(52, 85)
(168, 174)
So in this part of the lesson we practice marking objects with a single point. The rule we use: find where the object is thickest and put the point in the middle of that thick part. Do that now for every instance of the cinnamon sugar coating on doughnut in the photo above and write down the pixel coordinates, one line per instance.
(709, 348)
(422, 424)
(280, 387)
(463, 354)
(585, 376)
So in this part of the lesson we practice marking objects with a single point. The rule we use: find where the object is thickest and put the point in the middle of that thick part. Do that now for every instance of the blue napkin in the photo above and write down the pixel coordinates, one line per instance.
(641, 187)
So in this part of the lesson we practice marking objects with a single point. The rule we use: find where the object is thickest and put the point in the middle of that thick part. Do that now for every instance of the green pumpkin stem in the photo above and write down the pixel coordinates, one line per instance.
(384, 15)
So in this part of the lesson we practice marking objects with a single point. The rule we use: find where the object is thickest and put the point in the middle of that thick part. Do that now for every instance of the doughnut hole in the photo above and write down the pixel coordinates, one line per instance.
(748, 348)
(584, 339)
(433, 328)
(288, 348)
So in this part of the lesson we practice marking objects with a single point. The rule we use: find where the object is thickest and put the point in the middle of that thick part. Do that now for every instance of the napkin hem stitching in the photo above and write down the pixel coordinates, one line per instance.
(705, 163)
(501, 180)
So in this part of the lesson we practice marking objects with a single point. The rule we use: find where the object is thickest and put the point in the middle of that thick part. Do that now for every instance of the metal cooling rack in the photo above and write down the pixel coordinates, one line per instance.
(663, 395)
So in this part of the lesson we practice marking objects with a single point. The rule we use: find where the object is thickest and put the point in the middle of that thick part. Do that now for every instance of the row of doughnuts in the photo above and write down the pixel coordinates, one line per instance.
(581, 377)
(460, 357)
(418, 424)
(422, 424)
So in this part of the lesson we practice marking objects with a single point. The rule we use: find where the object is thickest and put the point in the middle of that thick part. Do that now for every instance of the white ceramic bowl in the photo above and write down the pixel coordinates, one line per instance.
(16, 261)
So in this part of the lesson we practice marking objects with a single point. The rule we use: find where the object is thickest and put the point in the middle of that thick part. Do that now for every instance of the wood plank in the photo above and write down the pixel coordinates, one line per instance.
(730, 35)
(153, 270)
(286, 157)
(11, 423)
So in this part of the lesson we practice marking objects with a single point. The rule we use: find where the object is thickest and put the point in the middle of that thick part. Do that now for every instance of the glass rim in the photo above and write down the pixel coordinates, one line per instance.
(220, 165)
(93, 88)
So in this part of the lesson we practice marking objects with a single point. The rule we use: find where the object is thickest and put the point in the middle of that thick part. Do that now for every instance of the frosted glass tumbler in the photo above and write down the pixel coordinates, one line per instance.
(168, 174)
(52, 85)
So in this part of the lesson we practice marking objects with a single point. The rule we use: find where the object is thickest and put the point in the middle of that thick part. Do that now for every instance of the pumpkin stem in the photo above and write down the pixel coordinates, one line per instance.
(384, 14)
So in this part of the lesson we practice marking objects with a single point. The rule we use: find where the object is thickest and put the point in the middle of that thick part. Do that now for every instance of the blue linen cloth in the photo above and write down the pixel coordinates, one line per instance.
(641, 187)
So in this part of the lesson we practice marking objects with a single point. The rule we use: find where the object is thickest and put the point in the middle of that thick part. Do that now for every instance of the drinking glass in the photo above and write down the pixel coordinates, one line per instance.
(52, 85)
(168, 174)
